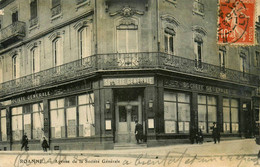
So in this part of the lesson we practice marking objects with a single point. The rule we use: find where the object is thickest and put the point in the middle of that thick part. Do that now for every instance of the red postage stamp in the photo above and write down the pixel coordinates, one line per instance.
(236, 22)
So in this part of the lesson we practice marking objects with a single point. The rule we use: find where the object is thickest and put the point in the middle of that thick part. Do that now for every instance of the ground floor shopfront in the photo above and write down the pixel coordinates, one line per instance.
(97, 113)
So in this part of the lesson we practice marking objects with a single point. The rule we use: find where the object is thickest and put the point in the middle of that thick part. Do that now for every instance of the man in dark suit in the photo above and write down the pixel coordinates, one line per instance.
(24, 142)
(215, 133)
(138, 131)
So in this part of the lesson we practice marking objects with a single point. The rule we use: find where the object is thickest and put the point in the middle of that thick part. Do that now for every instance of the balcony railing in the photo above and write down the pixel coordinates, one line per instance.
(16, 29)
(55, 10)
(198, 7)
(123, 61)
(80, 1)
(33, 21)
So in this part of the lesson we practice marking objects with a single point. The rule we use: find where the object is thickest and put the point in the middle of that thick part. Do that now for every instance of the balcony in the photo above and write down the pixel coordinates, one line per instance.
(198, 7)
(33, 22)
(55, 11)
(12, 33)
(121, 62)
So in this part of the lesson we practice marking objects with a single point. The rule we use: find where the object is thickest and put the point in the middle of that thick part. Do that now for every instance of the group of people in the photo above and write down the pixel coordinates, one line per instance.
(215, 134)
(25, 142)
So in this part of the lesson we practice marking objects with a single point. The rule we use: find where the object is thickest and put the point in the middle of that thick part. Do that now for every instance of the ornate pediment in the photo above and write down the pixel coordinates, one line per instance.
(56, 34)
(170, 19)
(82, 23)
(199, 30)
(32, 45)
(127, 24)
(126, 12)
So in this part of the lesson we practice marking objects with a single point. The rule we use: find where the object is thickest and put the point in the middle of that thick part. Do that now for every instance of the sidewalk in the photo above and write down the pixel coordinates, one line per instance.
(246, 147)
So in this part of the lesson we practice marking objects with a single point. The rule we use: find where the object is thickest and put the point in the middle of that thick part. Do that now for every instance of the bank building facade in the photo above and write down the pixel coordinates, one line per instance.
(80, 72)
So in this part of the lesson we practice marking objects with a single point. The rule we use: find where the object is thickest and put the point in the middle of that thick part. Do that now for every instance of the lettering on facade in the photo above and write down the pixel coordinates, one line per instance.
(58, 91)
(202, 88)
(129, 81)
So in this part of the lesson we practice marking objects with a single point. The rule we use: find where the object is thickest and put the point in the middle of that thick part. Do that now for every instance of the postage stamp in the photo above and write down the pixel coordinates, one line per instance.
(236, 22)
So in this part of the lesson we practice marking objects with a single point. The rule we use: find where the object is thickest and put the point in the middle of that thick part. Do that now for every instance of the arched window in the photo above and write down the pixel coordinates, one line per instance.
(57, 52)
(35, 60)
(15, 67)
(84, 42)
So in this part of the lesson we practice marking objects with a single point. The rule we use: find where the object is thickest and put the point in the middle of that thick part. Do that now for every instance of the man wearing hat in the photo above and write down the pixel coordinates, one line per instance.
(138, 131)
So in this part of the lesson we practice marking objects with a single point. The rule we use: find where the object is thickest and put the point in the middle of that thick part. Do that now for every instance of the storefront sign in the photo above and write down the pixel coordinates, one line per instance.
(200, 87)
(129, 81)
(51, 92)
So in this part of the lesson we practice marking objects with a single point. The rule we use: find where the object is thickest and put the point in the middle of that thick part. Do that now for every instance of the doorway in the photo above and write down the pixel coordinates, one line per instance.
(127, 110)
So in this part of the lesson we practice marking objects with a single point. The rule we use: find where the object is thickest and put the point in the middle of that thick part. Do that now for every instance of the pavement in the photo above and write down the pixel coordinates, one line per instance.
(237, 153)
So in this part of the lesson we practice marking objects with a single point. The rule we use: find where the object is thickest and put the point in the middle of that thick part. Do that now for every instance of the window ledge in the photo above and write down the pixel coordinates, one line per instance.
(82, 4)
(33, 27)
(198, 13)
(56, 17)
(174, 2)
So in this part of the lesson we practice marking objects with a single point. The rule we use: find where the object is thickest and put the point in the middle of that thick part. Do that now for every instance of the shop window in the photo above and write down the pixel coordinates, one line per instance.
(176, 112)
(28, 120)
(83, 105)
(230, 116)
(38, 126)
(207, 112)
(3, 125)
(17, 123)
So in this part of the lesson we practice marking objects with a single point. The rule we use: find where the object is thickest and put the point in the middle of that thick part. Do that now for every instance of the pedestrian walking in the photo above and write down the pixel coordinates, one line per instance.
(138, 131)
(24, 142)
(45, 145)
(215, 133)
(199, 137)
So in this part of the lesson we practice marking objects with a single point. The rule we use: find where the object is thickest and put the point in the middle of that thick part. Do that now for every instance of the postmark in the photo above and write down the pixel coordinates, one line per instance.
(236, 22)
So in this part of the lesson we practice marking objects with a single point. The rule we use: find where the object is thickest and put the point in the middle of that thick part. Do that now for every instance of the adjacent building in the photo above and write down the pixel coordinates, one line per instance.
(80, 72)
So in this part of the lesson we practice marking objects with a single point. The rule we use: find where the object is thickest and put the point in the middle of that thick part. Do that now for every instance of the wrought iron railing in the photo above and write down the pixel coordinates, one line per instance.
(124, 61)
(80, 1)
(198, 6)
(33, 21)
(15, 29)
(55, 10)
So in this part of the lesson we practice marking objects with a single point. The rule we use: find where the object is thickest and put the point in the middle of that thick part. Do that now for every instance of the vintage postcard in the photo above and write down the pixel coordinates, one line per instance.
(130, 83)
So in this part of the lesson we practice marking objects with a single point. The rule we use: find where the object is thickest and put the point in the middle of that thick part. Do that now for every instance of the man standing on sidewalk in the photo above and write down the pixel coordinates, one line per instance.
(138, 131)
(215, 133)
(24, 142)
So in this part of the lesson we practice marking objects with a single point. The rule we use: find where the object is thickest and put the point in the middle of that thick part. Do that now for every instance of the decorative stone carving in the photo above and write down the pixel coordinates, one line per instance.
(82, 23)
(56, 34)
(170, 19)
(127, 24)
(126, 12)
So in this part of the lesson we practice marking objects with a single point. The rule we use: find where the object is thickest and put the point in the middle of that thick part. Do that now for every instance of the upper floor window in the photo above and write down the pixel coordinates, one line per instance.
(198, 53)
(257, 58)
(14, 16)
(35, 60)
(80, 1)
(169, 40)
(222, 54)
(33, 9)
(15, 67)
(56, 7)
(84, 43)
(243, 63)
(57, 53)
(198, 7)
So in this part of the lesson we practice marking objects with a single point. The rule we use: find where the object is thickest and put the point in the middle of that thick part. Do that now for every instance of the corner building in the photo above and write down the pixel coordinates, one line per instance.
(80, 72)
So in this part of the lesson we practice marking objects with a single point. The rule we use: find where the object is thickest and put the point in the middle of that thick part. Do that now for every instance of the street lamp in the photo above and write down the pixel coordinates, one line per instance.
(107, 105)
(150, 104)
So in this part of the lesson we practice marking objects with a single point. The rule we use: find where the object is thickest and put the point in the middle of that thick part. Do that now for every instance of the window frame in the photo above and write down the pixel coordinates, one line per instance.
(230, 107)
(177, 121)
(3, 116)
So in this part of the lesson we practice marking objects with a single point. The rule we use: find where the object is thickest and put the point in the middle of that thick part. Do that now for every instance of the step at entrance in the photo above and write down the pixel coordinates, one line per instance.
(124, 146)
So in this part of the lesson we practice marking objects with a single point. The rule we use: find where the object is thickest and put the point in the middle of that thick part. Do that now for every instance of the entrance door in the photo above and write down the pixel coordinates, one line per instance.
(126, 114)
